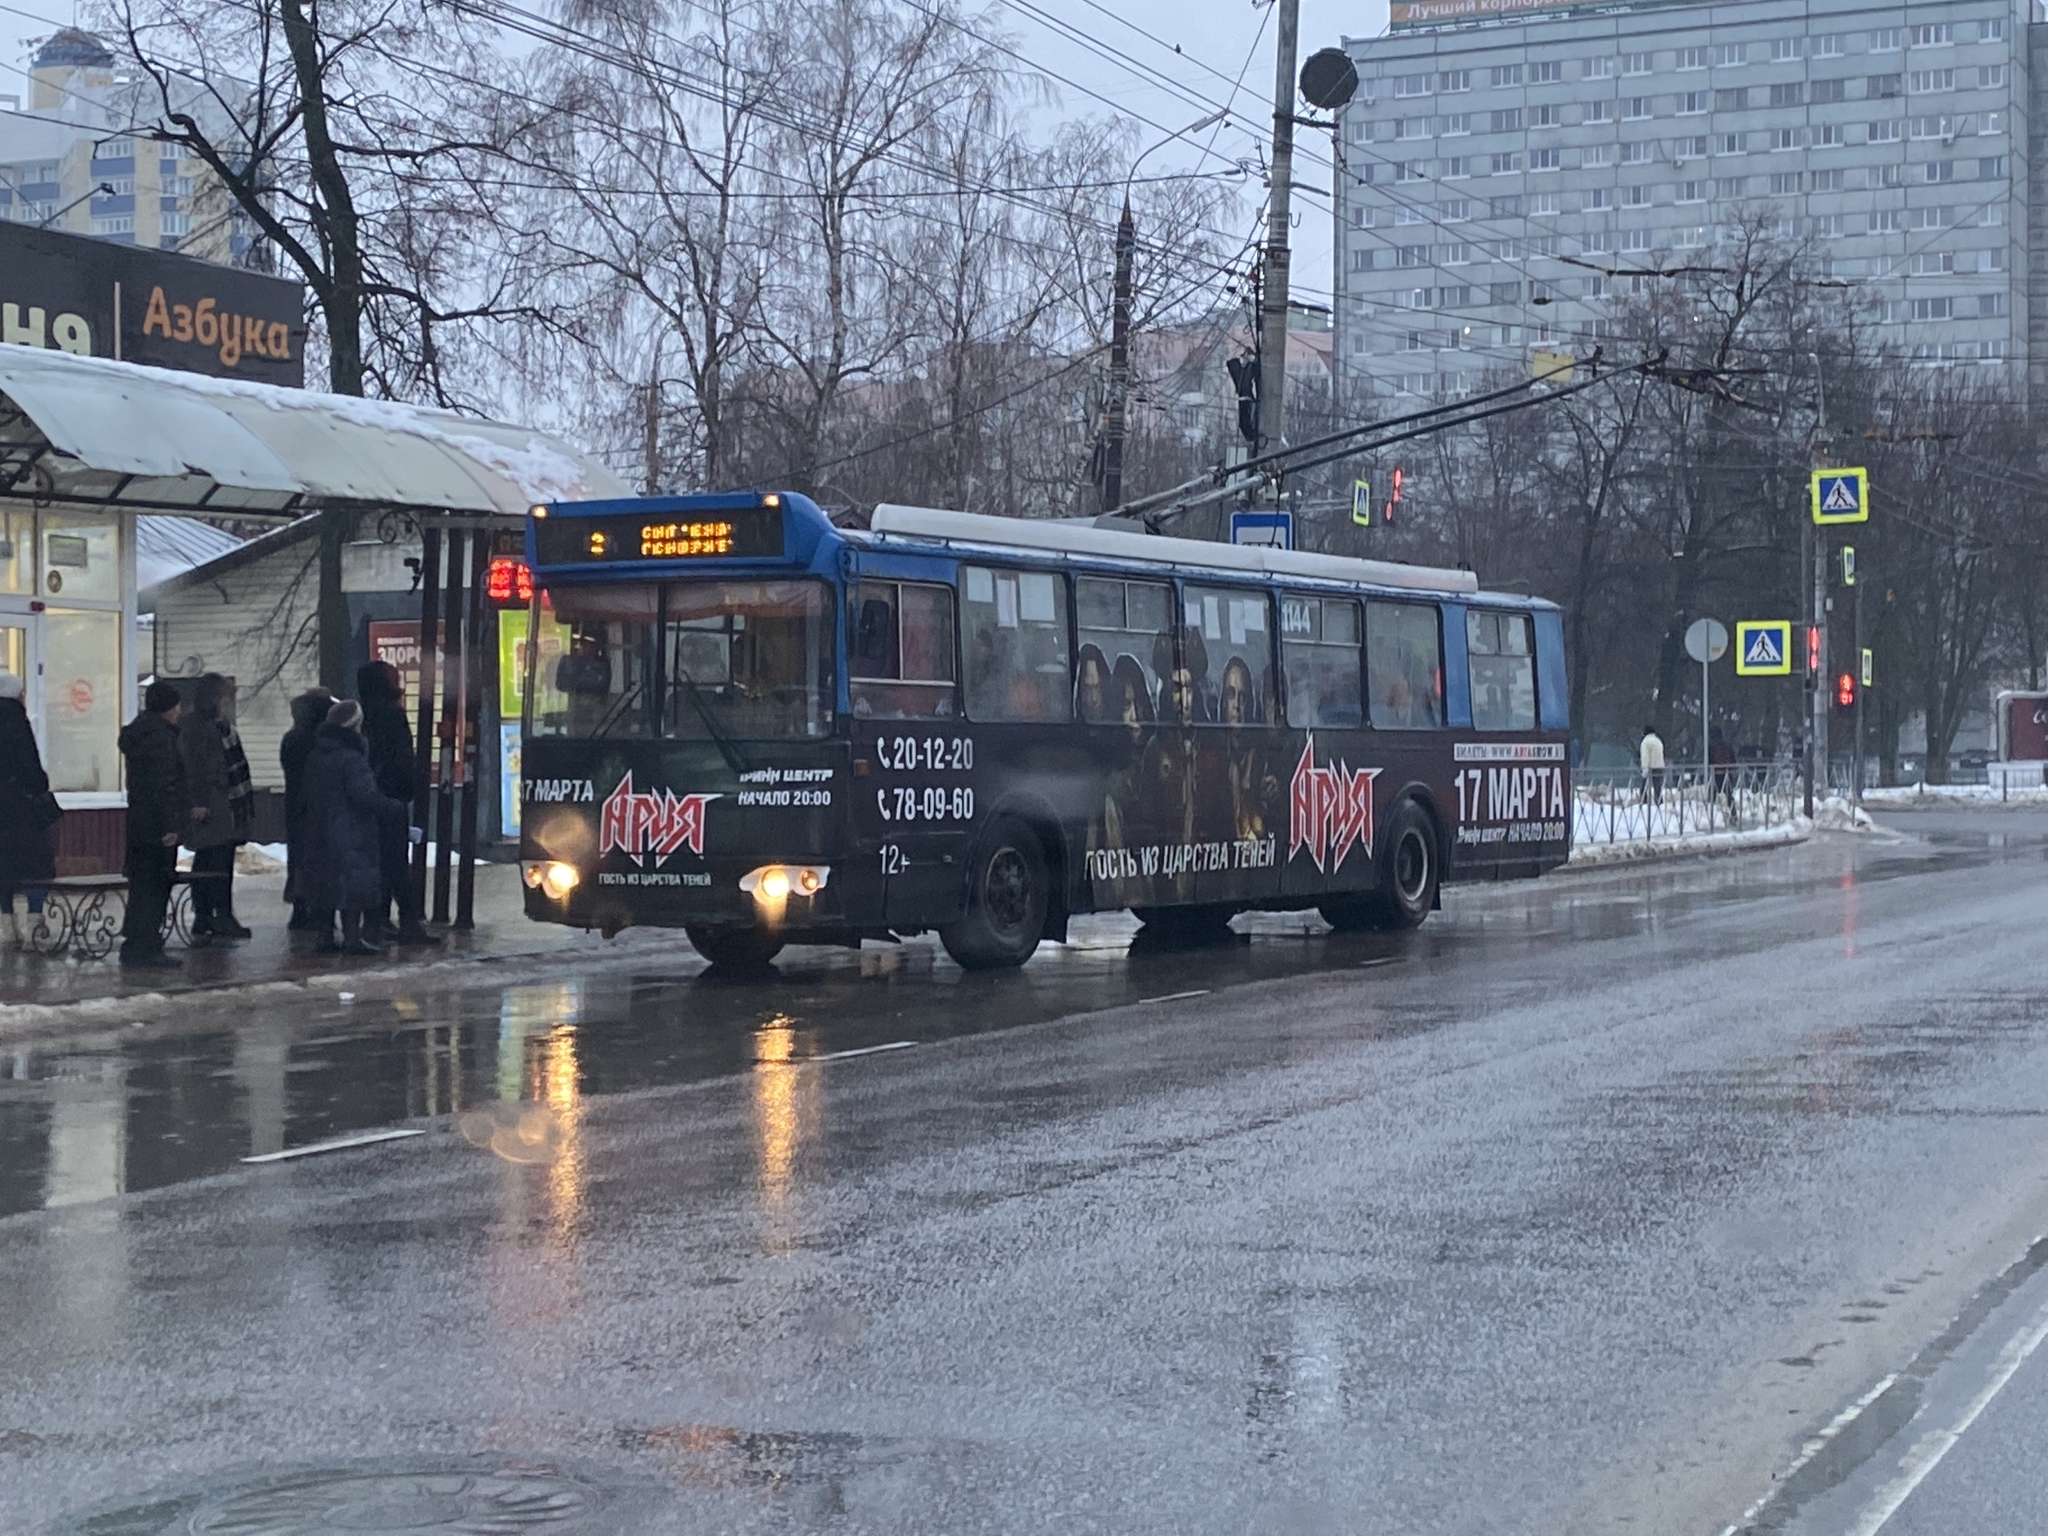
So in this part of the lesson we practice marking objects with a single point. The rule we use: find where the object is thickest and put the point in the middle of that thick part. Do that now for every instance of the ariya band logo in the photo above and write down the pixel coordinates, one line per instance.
(657, 822)
(1329, 810)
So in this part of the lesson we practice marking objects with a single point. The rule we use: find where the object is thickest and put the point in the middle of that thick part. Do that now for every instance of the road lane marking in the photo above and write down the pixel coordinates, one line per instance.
(339, 1144)
(1174, 997)
(1383, 960)
(865, 1050)
(1812, 1448)
(1930, 1448)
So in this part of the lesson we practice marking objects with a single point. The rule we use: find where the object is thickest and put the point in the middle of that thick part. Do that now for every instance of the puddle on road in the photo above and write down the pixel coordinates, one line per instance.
(86, 1119)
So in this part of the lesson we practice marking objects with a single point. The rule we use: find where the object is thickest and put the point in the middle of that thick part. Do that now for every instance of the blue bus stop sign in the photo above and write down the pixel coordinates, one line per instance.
(1274, 530)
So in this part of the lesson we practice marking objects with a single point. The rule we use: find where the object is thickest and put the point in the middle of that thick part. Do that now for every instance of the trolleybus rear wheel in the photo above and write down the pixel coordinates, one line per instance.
(1408, 877)
(1006, 901)
(735, 949)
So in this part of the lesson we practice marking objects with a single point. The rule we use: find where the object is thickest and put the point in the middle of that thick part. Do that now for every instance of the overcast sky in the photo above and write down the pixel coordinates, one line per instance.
(1220, 42)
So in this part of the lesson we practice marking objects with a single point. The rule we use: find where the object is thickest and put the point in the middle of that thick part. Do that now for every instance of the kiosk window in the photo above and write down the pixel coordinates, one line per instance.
(1227, 649)
(902, 652)
(1404, 666)
(1502, 650)
(1016, 644)
(1319, 647)
(1126, 630)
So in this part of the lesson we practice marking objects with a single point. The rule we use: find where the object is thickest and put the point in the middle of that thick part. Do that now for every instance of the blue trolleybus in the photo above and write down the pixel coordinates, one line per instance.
(748, 723)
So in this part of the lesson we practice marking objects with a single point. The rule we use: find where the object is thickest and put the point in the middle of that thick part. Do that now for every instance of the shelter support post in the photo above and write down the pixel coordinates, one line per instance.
(471, 744)
(450, 724)
(337, 525)
(423, 741)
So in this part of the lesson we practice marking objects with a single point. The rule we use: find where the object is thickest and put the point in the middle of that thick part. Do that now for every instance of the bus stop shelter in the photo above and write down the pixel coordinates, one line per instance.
(86, 444)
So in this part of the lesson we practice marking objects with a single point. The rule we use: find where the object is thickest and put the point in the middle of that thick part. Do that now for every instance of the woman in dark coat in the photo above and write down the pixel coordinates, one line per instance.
(344, 813)
(224, 806)
(25, 856)
(308, 710)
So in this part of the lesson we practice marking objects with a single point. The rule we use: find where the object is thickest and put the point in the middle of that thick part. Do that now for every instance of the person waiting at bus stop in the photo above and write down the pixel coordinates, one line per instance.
(157, 808)
(223, 806)
(347, 815)
(28, 815)
(380, 688)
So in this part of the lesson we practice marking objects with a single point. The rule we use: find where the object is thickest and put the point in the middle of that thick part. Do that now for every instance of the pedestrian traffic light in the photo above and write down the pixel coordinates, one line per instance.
(1813, 655)
(1848, 565)
(508, 582)
(1845, 690)
(1394, 490)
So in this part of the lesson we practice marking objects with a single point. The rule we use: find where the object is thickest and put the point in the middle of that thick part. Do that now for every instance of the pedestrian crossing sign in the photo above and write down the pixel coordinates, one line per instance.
(1841, 496)
(1361, 502)
(1763, 647)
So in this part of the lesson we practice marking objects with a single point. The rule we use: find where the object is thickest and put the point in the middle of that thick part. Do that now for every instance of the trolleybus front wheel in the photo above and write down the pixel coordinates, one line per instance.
(1006, 903)
(1408, 877)
(735, 949)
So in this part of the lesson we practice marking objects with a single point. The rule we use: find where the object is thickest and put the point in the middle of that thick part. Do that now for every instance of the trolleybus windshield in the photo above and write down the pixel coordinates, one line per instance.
(708, 659)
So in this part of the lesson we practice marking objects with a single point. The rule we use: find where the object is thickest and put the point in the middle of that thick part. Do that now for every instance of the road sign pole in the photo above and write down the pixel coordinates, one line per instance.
(1862, 688)
(1706, 753)
(1819, 744)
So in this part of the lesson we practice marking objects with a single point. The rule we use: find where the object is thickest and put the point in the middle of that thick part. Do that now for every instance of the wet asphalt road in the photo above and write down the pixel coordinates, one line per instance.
(1581, 1210)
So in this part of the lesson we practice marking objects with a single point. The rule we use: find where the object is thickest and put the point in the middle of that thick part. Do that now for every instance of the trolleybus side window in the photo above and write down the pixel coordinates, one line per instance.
(1503, 669)
(1404, 672)
(1016, 624)
(1126, 633)
(1228, 651)
(1319, 645)
(901, 651)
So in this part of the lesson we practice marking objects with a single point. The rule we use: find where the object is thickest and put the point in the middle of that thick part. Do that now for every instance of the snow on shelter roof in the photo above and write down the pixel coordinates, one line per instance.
(90, 429)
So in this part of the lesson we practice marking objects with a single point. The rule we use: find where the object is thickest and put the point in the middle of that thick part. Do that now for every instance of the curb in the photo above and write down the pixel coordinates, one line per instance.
(1710, 845)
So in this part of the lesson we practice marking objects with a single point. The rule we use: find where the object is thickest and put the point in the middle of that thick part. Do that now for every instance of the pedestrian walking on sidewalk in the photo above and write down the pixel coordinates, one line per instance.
(347, 816)
(381, 690)
(1721, 758)
(223, 806)
(157, 807)
(1651, 753)
(308, 710)
(28, 817)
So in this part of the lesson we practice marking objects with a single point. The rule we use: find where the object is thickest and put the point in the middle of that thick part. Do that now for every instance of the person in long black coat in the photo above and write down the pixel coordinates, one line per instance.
(25, 854)
(345, 814)
(308, 710)
(381, 689)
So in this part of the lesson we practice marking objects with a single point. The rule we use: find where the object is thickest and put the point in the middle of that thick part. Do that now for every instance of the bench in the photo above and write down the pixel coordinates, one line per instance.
(84, 913)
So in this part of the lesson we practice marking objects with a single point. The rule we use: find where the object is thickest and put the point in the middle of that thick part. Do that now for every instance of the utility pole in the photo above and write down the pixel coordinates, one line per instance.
(1273, 310)
(1119, 364)
(1817, 697)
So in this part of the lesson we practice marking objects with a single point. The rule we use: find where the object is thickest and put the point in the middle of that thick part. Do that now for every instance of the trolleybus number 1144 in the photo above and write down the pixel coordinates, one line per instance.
(932, 754)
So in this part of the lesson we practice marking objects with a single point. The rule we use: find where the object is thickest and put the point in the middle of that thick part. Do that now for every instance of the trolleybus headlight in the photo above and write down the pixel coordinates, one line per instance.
(773, 883)
(551, 876)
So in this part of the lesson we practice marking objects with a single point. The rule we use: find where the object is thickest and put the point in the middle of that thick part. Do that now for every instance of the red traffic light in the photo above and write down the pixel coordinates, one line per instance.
(1813, 650)
(1393, 491)
(1845, 690)
(508, 581)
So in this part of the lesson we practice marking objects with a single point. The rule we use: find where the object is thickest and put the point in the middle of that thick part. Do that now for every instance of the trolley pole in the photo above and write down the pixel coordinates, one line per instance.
(1119, 364)
(1273, 309)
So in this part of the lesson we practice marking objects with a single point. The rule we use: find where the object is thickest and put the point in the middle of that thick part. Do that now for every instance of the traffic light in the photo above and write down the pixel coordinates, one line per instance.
(1244, 374)
(508, 582)
(1845, 690)
(1394, 491)
(1813, 655)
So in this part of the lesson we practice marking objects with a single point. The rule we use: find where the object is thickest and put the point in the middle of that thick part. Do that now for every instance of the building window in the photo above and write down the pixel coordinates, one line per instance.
(1787, 50)
(1925, 80)
(1933, 34)
(1993, 217)
(1636, 109)
(1991, 122)
(1934, 309)
(1728, 188)
(1549, 72)
(1508, 120)
(1415, 341)
(1503, 293)
(1888, 221)
(1457, 124)
(1456, 168)
(1991, 168)
(1828, 136)
(1692, 103)
(1692, 192)
(1692, 58)
(1453, 80)
(1507, 163)
(1828, 181)
(1887, 40)
(115, 224)
(1727, 143)
(1600, 68)
(1933, 218)
(1598, 198)
(1639, 153)
(1991, 31)
(1543, 204)
(1828, 46)
(1410, 170)
(1828, 226)
(1457, 254)
(1938, 170)
(1931, 127)
(1790, 94)
(1885, 132)
(1361, 261)
(1543, 160)
(1693, 148)
(1456, 296)
(1933, 263)
(1828, 92)
(1455, 210)
(1411, 256)
(1638, 197)
(1597, 155)
(123, 186)
(1729, 55)
(1599, 112)
(1990, 303)
(176, 223)
(1689, 238)
(1886, 175)
(1784, 138)
(1548, 116)
(1784, 183)
(1990, 76)
(1504, 74)
(1733, 99)
(114, 149)
(1635, 64)
(1411, 85)
(1635, 240)
(1504, 207)
(1409, 214)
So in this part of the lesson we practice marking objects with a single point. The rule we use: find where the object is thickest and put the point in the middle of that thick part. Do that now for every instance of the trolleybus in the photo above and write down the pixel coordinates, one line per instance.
(744, 721)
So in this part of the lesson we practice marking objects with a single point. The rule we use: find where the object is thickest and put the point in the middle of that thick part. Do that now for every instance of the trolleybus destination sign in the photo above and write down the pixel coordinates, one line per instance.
(743, 533)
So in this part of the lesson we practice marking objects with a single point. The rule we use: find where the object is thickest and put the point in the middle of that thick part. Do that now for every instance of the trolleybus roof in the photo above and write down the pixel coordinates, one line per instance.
(1085, 539)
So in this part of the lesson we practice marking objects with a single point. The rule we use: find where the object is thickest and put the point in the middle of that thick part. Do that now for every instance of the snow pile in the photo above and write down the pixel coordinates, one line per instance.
(1793, 830)
(1938, 797)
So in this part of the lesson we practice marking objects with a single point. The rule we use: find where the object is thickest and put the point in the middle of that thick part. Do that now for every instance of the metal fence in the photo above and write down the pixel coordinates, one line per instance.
(1622, 805)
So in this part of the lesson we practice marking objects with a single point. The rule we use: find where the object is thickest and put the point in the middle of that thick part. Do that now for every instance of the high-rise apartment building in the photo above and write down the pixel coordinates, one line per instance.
(1490, 140)
(68, 161)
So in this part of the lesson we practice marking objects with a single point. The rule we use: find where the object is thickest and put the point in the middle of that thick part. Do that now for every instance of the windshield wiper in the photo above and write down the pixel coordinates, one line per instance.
(617, 712)
(732, 755)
